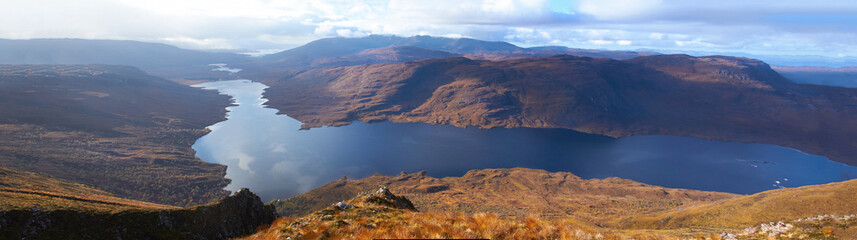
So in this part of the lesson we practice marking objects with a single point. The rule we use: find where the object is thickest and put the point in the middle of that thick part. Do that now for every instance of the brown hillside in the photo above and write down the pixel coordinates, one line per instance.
(769, 206)
(512, 192)
(378, 214)
(20, 190)
(722, 98)
(112, 127)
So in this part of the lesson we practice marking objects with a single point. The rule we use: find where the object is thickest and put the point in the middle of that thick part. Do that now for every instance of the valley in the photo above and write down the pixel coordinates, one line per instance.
(268, 153)
(440, 119)
(635, 145)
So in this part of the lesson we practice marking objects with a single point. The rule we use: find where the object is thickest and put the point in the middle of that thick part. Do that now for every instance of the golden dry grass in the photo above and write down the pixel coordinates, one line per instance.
(417, 225)
(27, 190)
(22, 200)
(513, 192)
(369, 220)
(771, 206)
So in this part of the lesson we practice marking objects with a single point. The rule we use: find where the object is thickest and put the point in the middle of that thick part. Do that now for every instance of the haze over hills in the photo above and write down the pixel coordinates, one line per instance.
(334, 47)
(841, 76)
(330, 52)
(176, 63)
(775, 59)
(159, 59)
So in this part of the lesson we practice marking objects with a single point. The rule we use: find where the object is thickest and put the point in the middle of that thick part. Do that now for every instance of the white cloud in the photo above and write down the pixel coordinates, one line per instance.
(618, 9)
(822, 27)
(601, 42)
(657, 36)
(206, 43)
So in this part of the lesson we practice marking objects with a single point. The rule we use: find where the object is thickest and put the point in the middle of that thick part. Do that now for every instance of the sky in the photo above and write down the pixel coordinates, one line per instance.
(774, 27)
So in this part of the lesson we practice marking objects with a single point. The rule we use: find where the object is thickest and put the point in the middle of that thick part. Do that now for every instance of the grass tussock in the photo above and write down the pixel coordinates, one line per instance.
(365, 218)
(422, 225)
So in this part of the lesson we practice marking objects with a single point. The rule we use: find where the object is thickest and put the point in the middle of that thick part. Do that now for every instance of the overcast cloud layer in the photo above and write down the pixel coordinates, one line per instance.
(780, 27)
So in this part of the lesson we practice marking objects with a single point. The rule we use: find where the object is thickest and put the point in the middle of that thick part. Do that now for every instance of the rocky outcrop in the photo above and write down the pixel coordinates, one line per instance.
(234, 216)
(383, 197)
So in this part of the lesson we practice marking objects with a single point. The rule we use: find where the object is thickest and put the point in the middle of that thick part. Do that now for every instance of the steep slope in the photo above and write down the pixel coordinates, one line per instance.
(233, 216)
(771, 206)
(21, 190)
(722, 98)
(512, 192)
(112, 127)
(159, 59)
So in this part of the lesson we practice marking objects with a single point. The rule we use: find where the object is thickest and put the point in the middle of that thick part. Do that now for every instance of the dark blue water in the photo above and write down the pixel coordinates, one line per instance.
(268, 154)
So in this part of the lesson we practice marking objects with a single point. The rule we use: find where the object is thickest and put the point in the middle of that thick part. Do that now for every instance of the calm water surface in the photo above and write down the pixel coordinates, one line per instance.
(270, 155)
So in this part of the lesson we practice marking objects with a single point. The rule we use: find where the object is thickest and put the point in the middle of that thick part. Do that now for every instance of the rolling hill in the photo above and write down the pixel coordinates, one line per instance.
(115, 128)
(477, 205)
(770, 206)
(516, 192)
(377, 213)
(21, 190)
(157, 59)
(717, 97)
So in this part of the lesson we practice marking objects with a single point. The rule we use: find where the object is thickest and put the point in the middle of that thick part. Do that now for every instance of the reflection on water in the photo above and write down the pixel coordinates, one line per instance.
(267, 153)
(222, 67)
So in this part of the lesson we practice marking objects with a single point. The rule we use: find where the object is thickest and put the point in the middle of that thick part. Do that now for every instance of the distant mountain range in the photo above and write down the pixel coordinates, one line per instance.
(775, 59)
(830, 76)
(159, 59)
(175, 63)
(356, 51)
